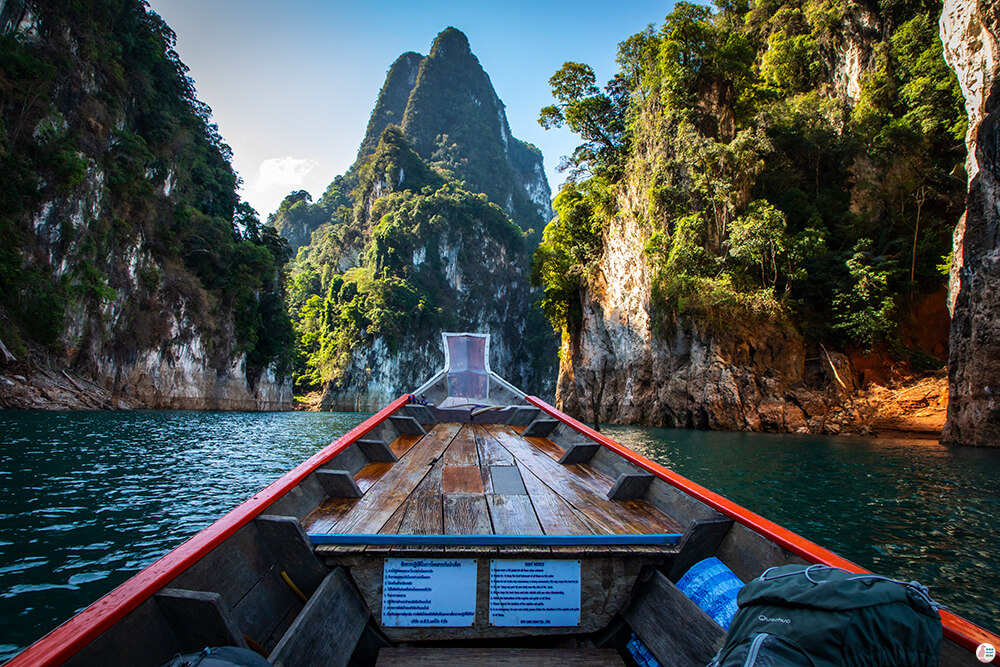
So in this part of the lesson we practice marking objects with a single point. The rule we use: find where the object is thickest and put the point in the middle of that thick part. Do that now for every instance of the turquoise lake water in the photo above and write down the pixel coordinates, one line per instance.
(88, 499)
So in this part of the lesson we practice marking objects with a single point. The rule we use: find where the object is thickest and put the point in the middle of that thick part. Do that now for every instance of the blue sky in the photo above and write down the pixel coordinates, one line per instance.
(292, 83)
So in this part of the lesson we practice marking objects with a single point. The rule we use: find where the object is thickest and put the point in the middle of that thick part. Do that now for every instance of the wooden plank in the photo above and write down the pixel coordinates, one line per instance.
(329, 512)
(579, 452)
(338, 483)
(701, 540)
(630, 486)
(370, 474)
(198, 619)
(555, 515)
(265, 607)
(748, 554)
(392, 525)
(956, 629)
(83, 629)
(380, 502)
(143, 638)
(462, 450)
(491, 452)
(674, 628)
(666, 543)
(328, 628)
(657, 521)
(231, 569)
(351, 459)
(423, 513)
(498, 657)
(513, 515)
(377, 450)
(521, 416)
(554, 450)
(287, 540)
(563, 479)
(462, 479)
(507, 480)
(300, 499)
(403, 443)
(466, 515)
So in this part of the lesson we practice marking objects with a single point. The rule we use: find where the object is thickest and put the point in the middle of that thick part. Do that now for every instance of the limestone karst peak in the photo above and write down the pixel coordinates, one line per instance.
(450, 43)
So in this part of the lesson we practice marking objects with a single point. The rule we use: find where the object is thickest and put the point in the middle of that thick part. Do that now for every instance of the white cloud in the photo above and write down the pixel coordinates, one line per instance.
(277, 177)
(284, 171)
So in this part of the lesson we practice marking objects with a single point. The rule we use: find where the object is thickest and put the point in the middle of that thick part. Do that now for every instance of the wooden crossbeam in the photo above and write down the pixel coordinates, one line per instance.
(338, 483)
(655, 539)
(540, 428)
(630, 486)
(579, 452)
(377, 451)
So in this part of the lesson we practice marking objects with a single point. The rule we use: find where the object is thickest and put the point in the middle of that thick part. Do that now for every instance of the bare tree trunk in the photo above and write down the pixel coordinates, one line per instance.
(7, 356)
(921, 197)
(597, 396)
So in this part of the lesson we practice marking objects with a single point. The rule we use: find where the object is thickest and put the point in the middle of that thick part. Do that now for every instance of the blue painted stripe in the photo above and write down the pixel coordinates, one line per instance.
(658, 539)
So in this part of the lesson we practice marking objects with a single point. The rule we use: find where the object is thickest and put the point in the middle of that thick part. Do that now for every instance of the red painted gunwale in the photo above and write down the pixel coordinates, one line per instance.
(70, 637)
(964, 633)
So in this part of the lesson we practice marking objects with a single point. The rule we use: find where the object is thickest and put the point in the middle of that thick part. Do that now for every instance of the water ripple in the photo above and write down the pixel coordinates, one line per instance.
(90, 498)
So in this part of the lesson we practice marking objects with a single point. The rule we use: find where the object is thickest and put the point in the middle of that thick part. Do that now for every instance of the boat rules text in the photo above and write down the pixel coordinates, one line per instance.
(541, 593)
(428, 592)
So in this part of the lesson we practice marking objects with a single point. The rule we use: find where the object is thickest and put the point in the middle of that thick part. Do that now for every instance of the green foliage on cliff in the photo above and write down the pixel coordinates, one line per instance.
(768, 192)
(405, 213)
(107, 157)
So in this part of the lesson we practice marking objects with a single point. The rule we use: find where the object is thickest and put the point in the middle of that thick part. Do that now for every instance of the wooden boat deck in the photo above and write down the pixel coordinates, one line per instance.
(474, 479)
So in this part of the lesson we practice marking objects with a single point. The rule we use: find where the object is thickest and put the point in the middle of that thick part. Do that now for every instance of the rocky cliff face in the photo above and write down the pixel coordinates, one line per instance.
(970, 34)
(126, 256)
(664, 323)
(431, 230)
(484, 278)
(743, 377)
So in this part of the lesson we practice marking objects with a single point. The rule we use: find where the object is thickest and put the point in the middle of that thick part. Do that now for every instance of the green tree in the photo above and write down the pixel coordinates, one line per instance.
(598, 118)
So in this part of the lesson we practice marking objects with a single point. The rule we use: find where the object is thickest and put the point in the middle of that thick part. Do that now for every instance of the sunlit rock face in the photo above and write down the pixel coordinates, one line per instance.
(617, 369)
(169, 359)
(969, 30)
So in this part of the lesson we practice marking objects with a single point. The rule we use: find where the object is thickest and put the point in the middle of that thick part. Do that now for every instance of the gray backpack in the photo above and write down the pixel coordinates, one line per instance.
(820, 616)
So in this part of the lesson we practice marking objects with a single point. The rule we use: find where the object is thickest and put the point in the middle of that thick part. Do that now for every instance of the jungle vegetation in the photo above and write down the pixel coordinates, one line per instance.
(100, 121)
(767, 190)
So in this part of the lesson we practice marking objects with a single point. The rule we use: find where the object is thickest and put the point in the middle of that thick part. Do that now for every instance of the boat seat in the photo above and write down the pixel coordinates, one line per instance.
(702, 539)
(327, 629)
(498, 657)
(675, 629)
